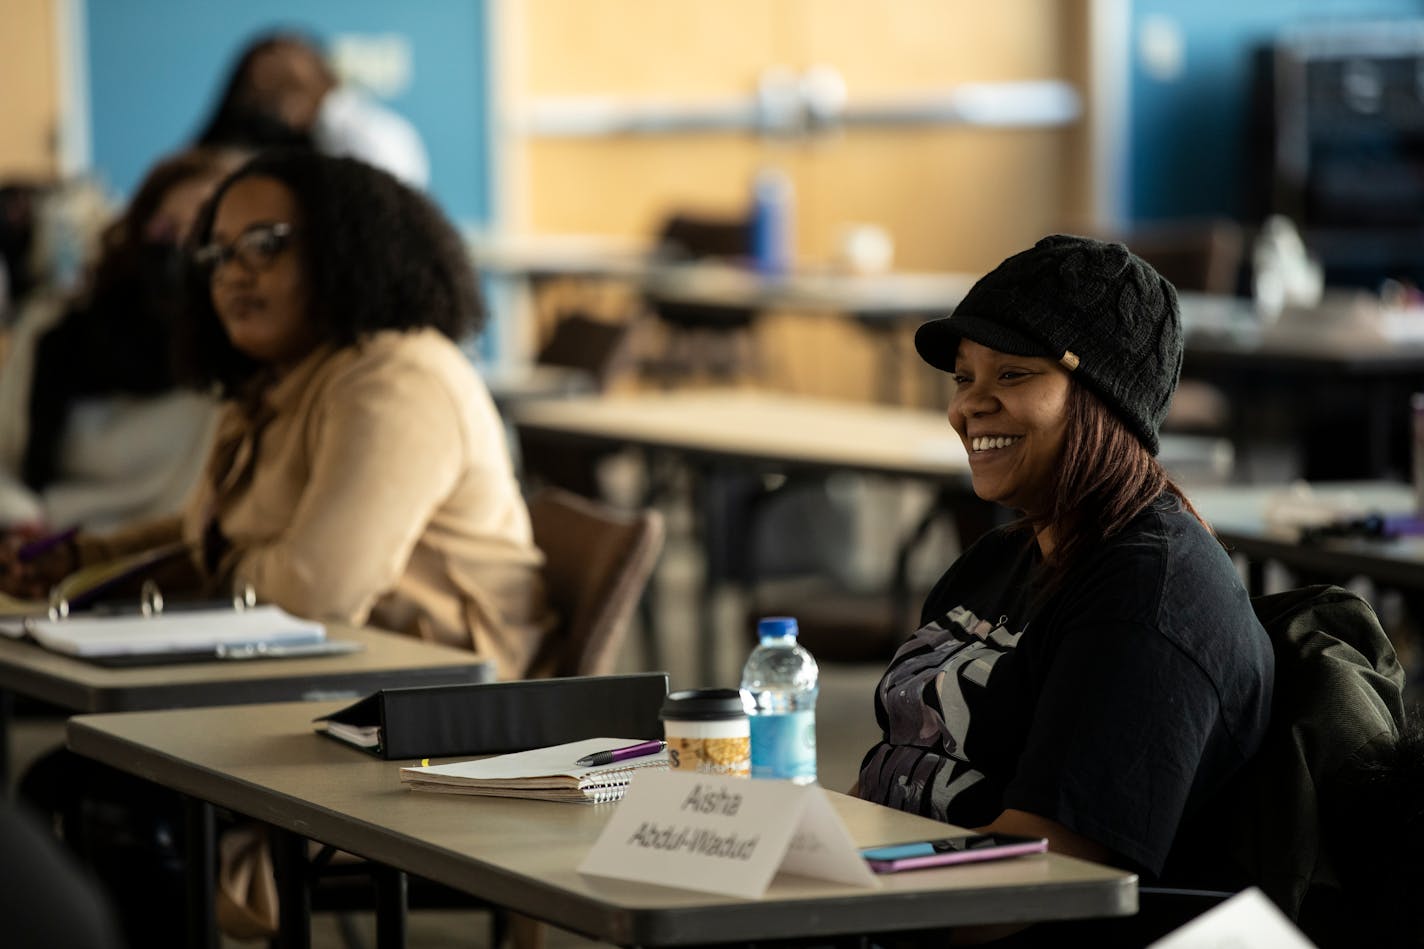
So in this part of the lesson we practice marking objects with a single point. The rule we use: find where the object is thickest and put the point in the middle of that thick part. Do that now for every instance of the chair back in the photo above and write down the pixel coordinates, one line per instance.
(685, 236)
(580, 341)
(596, 564)
(1329, 767)
(711, 337)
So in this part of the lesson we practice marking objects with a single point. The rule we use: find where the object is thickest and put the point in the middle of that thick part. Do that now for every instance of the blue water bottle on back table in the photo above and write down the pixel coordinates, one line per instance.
(779, 690)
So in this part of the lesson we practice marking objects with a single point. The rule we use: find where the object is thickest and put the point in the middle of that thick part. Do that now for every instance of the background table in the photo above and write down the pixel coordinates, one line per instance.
(267, 762)
(386, 660)
(1333, 381)
(1238, 514)
(722, 431)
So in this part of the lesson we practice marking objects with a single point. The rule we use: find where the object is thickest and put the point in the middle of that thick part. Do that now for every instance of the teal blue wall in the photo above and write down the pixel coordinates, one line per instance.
(156, 68)
(1187, 153)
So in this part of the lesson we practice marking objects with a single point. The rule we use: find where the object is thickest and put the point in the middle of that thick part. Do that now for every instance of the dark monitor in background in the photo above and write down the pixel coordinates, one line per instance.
(1339, 137)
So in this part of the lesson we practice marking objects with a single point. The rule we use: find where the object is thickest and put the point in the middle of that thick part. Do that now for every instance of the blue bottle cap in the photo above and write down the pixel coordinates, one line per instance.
(776, 627)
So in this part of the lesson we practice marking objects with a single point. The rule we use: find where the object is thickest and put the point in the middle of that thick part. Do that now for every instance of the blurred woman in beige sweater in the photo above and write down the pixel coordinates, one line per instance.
(359, 472)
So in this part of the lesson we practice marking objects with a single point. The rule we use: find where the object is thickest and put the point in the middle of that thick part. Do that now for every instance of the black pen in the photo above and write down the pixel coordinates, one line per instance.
(619, 754)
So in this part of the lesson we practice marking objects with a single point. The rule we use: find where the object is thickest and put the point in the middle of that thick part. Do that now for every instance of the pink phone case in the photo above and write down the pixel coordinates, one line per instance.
(961, 856)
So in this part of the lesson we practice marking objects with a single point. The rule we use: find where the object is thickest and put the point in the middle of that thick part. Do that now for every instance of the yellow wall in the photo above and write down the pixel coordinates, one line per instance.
(952, 198)
(28, 94)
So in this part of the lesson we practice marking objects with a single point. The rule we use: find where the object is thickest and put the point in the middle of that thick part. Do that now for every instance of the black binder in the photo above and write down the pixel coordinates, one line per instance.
(439, 721)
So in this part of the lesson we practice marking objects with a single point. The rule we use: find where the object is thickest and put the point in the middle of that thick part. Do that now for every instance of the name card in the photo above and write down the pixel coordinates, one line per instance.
(1249, 920)
(724, 835)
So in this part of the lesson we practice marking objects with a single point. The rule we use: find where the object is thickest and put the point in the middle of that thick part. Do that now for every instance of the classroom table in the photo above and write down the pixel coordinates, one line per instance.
(757, 427)
(719, 431)
(385, 660)
(882, 303)
(1342, 359)
(1240, 516)
(1335, 378)
(269, 764)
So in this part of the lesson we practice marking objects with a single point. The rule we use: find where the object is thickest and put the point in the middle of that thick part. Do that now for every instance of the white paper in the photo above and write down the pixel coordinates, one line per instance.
(822, 848)
(722, 835)
(537, 762)
(178, 631)
(1249, 920)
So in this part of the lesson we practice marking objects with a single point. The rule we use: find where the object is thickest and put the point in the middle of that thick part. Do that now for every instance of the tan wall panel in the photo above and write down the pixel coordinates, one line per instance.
(951, 198)
(624, 186)
(651, 47)
(950, 201)
(29, 108)
(900, 45)
(954, 198)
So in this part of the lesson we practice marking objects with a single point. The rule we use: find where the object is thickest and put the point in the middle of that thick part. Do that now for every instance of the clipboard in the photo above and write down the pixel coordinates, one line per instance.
(488, 718)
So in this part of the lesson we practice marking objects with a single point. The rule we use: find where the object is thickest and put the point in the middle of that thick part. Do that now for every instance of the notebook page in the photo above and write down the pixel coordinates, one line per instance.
(554, 761)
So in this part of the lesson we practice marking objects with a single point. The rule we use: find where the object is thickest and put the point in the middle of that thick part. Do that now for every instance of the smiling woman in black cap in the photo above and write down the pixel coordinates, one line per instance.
(1092, 673)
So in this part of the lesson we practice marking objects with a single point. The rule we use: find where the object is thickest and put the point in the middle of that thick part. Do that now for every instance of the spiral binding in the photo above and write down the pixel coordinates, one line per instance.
(610, 784)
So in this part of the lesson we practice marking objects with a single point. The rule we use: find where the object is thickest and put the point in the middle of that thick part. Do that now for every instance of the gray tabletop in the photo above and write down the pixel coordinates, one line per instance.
(1254, 522)
(385, 660)
(267, 762)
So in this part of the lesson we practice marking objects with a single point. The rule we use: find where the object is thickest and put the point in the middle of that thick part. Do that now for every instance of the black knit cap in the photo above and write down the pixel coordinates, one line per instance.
(1097, 308)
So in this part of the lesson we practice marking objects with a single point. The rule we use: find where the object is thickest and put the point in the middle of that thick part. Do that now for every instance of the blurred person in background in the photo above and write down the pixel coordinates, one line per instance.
(93, 427)
(359, 471)
(283, 92)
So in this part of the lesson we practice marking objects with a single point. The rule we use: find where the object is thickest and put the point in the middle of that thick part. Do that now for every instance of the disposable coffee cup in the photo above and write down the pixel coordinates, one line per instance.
(708, 732)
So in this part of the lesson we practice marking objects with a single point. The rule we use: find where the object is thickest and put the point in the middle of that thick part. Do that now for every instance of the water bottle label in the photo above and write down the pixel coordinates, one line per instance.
(784, 746)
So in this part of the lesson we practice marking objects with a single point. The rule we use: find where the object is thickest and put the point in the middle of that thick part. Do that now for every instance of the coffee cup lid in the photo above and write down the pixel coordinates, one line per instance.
(703, 705)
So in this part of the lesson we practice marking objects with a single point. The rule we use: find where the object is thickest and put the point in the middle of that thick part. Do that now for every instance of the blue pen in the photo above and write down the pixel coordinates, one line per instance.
(42, 545)
(620, 754)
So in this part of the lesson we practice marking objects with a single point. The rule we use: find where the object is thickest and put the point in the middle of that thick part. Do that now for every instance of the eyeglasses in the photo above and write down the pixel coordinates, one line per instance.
(256, 248)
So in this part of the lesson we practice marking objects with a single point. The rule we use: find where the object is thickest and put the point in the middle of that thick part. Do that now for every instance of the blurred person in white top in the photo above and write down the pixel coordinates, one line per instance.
(283, 92)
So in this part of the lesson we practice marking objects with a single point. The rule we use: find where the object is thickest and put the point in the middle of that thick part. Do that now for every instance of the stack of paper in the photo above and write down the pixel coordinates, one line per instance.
(547, 774)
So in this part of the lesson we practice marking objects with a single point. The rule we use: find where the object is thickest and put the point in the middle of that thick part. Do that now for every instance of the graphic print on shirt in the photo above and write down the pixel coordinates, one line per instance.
(925, 702)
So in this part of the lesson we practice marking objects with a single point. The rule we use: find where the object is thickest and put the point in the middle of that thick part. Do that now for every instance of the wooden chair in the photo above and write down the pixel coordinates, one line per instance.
(596, 563)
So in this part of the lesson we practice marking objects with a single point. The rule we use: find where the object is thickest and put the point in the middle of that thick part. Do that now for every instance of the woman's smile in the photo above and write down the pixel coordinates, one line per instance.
(1010, 411)
(990, 446)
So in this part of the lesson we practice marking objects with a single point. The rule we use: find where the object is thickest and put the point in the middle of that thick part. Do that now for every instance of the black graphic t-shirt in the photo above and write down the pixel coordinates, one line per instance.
(1119, 707)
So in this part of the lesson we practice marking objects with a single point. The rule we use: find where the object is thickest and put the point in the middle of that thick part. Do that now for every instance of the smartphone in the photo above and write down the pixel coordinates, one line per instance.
(965, 849)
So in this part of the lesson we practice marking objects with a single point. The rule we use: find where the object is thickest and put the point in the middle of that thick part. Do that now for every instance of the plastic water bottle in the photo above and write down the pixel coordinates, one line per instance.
(779, 691)
(771, 222)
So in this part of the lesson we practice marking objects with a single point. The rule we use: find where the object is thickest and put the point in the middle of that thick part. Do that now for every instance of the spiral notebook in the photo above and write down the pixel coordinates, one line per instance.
(544, 774)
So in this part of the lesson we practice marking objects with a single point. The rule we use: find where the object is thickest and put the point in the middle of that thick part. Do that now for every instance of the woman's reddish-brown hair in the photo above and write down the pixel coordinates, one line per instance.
(1106, 478)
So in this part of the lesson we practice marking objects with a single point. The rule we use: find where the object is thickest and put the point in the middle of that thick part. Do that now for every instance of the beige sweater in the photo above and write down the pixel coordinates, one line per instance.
(373, 486)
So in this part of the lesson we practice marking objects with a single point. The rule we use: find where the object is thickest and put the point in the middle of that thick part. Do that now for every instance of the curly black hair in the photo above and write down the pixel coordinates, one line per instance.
(377, 256)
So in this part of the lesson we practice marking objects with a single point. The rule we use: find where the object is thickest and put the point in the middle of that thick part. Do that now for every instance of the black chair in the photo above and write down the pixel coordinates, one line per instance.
(703, 338)
(1326, 818)
(600, 348)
